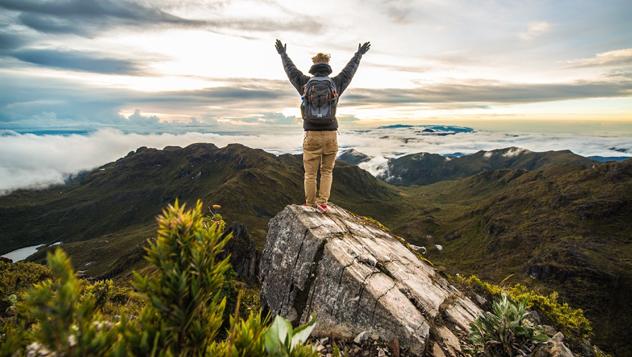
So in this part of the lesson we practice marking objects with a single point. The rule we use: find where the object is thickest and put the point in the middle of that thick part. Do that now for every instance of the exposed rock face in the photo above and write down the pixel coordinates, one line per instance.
(243, 253)
(356, 277)
(353, 157)
(554, 347)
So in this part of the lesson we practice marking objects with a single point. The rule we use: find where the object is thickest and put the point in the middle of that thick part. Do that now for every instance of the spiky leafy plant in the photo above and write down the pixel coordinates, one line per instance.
(505, 331)
(184, 297)
(570, 321)
(281, 340)
(65, 319)
(185, 306)
(245, 336)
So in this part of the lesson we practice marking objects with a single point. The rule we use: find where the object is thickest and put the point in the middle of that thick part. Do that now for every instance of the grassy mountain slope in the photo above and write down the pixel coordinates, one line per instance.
(103, 216)
(426, 168)
(552, 220)
(571, 232)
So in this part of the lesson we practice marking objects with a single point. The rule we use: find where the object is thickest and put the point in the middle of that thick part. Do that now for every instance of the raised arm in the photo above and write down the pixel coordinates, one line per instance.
(343, 79)
(296, 77)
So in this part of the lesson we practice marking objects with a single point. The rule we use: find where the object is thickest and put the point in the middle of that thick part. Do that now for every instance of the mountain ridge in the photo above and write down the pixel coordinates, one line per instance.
(554, 226)
(427, 168)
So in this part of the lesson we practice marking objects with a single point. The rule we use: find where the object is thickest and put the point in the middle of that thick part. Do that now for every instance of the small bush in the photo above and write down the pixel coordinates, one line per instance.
(58, 315)
(571, 322)
(245, 336)
(185, 304)
(505, 331)
(16, 278)
(178, 309)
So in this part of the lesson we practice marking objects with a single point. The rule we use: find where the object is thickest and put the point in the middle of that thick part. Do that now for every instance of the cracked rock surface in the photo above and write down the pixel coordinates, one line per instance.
(357, 277)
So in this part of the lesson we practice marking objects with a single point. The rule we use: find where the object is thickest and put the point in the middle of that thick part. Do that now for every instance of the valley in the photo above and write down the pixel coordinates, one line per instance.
(550, 220)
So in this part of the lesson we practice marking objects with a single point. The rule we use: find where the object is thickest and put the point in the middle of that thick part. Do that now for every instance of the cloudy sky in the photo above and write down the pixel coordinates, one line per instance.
(162, 65)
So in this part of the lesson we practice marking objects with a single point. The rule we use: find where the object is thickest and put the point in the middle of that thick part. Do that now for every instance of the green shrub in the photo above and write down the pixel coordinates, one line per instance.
(571, 322)
(185, 304)
(245, 336)
(58, 315)
(281, 340)
(505, 331)
(178, 309)
(14, 279)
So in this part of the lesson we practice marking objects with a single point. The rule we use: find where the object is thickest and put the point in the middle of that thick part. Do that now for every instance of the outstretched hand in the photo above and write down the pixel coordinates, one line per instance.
(280, 47)
(364, 48)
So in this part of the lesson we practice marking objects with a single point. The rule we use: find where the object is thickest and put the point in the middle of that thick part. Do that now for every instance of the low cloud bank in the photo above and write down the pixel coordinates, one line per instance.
(38, 161)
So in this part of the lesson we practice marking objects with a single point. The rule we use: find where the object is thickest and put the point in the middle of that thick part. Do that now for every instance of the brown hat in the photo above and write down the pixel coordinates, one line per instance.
(321, 58)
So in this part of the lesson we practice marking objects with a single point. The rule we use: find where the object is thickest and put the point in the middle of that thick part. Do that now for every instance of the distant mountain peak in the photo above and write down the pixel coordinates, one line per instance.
(427, 168)
(353, 157)
(430, 129)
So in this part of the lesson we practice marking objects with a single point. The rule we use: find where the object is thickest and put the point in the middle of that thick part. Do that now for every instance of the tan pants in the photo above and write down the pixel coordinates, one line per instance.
(319, 149)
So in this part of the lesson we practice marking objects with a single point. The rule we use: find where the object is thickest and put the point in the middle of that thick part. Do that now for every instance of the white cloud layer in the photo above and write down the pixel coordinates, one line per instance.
(32, 161)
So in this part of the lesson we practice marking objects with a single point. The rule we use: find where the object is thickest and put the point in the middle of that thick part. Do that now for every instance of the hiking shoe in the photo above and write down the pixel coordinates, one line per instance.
(323, 207)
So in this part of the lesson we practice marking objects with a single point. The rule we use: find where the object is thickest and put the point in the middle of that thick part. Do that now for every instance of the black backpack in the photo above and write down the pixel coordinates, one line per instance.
(320, 98)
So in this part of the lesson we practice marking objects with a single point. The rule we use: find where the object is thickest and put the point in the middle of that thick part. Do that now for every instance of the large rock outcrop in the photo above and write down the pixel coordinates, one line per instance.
(356, 277)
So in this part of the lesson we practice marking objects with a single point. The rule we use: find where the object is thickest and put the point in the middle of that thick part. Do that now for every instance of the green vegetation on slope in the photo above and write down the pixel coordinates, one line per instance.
(551, 221)
(104, 216)
(570, 232)
(505, 331)
(571, 322)
(181, 311)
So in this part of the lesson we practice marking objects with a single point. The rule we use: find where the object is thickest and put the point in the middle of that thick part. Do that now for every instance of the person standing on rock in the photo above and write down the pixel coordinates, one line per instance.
(319, 99)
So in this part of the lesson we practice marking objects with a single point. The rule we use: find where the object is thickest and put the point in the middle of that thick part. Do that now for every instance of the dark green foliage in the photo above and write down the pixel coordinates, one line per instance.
(186, 293)
(572, 322)
(14, 279)
(181, 302)
(250, 299)
(245, 339)
(59, 315)
(185, 302)
(505, 331)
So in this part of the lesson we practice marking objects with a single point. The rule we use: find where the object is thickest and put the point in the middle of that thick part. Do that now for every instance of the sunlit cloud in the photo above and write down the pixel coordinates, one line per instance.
(610, 58)
(93, 64)
(250, 102)
(534, 30)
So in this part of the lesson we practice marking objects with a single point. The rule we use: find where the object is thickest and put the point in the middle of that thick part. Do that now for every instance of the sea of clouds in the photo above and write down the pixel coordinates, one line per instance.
(36, 161)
